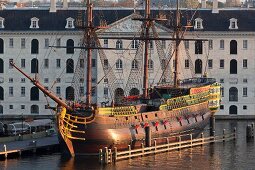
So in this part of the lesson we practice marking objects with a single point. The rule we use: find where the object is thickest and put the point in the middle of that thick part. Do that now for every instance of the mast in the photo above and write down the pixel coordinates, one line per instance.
(89, 53)
(177, 42)
(145, 70)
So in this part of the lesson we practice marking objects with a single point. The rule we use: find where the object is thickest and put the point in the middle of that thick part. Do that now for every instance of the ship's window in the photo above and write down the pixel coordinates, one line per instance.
(233, 110)
(69, 66)
(118, 95)
(119, 64)
(1, 65)
(198, 47)
(69, 93)
(1, 46)
(34, 109)
(134, 64)
(34, 94)
(135, 117)
(126, 118)
(150, 64)
(134, 91)
(34, 46)
(69, 46)
(233, 47)
(198, 66)
(1, 109)
(69, 23)
(156, 115)
(233, 94)
(146, 116)
(119, 44)
(233, 66)
(1, 93)
(34, 65)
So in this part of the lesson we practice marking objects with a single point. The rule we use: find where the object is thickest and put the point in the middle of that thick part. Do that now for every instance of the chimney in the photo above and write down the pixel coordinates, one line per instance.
(53, 7)
(203, 2)
(65, 4)
(215, 7)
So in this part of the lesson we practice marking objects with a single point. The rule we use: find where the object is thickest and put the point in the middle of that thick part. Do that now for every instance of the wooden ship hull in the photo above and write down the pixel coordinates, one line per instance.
(121, 126)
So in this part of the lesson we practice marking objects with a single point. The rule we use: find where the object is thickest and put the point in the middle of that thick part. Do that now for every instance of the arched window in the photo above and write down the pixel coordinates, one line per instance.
(119, 64)
(198, 47)
(233, 66)
(118, 95)
(34, 46)
(70, 46)
(1, 46)
(198, 66)
(69, 66)
(1, 93)
(150, 64)
(119, 44)
(233, 94)
(134, 64)
(233, 47)
(34, 109)
(233, 110)
(1, 109)
(70, 93)
(34, 65)
(34, 94)
(134, 91)
(1, 65)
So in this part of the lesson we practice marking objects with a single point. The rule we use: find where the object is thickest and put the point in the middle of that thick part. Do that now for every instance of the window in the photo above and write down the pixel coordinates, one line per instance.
(1, 93)
(11, 42)
(10, 80)
(245, 92)
(69, 66)
(46, 63)
(134, 64)
(198, 47)
(58, 63)
(245, 80)
(34, 65)
(244, 107)
(23, 63)
(70, 93)
(10, 91)
(22, 107)
(81, 80)
(221, 63)
(210, 44)
(46, 43)
(150, 64)
(106, 43)
(233, 94)
(198, 23)
(23, 91)
(119, 44)
(46, 80)
(233, 47)
(58, 90)
(10, 107)
(186, 64)
(34, 23)
(93, 62)
(34, 46)
(106, 64)
(34, 94)
(134, 44)
(233, 66)
(81, 91)
(58, 80)
(119, 64)
(1, 22)
(210, 63)
(106, 91)
(34, 109)
(198, 66)
(245, 44)
(10, 61)
(70, 46)
(221, 44)
(23, 43)
(245, 63)
(151, 44)
(222, 91)
(221, 107)
(1, 46)
(22, 80)
(221, 80)
(186, 44)
(233, 24)
(1, 65)
(105, 80)
(69, 23)
(58, 43)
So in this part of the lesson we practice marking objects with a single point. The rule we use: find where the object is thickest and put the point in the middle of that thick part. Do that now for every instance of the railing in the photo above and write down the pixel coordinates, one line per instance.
(107, 156)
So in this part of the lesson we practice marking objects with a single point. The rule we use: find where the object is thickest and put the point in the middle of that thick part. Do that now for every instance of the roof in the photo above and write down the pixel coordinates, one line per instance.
(20, 20)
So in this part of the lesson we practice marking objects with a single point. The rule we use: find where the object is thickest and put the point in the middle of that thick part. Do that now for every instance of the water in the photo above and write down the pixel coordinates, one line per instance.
(238, 154)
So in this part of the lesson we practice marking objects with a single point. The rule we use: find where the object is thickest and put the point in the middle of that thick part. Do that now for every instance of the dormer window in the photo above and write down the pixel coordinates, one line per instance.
(198, 24)
(1, 22)
(233, 23)
(34, 23)
(69, 23)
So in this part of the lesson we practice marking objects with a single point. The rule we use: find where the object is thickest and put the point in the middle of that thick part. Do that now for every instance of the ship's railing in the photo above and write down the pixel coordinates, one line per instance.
(215, 97)
(107, 156)
(117, 111)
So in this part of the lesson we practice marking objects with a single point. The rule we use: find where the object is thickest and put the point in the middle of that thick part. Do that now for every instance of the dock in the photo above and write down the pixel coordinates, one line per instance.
(18, 147)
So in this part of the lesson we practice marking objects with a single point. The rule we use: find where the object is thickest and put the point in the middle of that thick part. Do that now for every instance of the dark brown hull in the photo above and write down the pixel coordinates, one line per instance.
(119, 132)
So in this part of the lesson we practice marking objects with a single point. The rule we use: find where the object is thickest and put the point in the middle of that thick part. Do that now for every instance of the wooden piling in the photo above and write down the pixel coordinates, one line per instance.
(223, 137)
(147, 136)
(249, 132)
(115, 154)
(106, 156)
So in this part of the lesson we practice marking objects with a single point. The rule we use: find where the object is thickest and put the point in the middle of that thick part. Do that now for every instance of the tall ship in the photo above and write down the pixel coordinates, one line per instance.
(168, 109)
